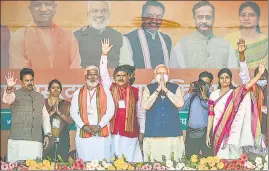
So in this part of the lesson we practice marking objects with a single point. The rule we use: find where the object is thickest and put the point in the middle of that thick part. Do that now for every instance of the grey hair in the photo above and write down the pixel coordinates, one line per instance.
(91, 67)
(109, 4)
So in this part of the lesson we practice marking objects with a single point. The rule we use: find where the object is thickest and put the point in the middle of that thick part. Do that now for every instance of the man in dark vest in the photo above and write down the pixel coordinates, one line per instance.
(29, 115)
(89, 38)
(149, 47)
(163, 134)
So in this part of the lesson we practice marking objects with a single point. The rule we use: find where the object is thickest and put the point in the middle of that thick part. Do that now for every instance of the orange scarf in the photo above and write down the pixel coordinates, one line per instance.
(130, 108)
(101, 103)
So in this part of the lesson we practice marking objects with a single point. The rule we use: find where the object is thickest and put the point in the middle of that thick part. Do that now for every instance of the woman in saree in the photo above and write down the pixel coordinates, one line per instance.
(59, 117)
(233, 118)
(257, 42)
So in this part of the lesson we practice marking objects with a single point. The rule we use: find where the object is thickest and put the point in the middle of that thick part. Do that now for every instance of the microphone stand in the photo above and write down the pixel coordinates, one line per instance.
(56, 141)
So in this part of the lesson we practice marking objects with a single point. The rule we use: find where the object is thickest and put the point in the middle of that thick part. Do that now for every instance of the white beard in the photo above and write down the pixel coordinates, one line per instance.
(98, 26)
(92, 84)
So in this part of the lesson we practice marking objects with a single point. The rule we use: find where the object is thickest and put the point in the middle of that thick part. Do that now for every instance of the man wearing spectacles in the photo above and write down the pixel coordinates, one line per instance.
(202, 49)
(148, 46)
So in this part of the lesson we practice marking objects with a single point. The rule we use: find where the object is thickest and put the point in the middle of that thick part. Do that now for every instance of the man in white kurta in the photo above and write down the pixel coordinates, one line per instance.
(127, 137)
(95, 147)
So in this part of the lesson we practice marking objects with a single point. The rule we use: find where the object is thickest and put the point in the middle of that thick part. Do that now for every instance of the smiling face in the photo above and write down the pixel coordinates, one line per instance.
(98, 14)
(42, 12)
(152, 18)
(121, 78)
(55, 90)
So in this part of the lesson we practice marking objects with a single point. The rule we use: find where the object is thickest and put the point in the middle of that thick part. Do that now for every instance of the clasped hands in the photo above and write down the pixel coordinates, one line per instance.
(162, 85)
(92, 129)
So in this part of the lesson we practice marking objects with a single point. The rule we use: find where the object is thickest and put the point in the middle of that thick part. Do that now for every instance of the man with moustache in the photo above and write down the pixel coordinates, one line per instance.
(92, 108)
(148, 46)
(43, 44)
(29, 115)
(163, 134)
(128, 124)
(89, 38)
(202, 49)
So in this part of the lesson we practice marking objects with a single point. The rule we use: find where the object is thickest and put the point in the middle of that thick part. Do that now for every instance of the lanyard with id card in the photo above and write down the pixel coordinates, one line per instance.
(121, 104)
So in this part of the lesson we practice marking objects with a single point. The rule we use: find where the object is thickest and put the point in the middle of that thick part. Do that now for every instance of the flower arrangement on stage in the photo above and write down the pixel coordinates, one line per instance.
(120, 163)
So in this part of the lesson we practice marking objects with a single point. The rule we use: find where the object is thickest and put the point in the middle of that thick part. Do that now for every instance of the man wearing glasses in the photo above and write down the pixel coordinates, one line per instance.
(149, 47)
(202, 49)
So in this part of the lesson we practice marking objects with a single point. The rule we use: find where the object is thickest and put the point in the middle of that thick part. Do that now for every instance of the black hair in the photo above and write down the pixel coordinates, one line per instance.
(227, 71)
(26, 71)
(152, 3)
(57, 82)
(206, 74)
(202, 4)
(255, 8)
(265, 74)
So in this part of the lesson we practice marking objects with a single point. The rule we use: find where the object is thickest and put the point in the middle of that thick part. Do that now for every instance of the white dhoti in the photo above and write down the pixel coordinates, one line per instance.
(129, 147)
(94, 148)
(163, 146)
(23, 150)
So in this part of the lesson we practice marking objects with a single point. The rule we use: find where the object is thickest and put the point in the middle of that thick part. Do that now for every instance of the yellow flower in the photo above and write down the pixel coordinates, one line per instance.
(220, 165)
(203, 161)
(124, 166)
(33, 163)
(28, 163)
(213, 168)
(194, 158)
(216, 159)
(206, 168)
(210, 158)
(211, 163)
(112, 158)
(46, 163)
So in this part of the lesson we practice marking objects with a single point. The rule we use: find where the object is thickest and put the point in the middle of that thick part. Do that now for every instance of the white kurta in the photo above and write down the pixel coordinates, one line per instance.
(93, 148)
(25, 149)
(121, 145)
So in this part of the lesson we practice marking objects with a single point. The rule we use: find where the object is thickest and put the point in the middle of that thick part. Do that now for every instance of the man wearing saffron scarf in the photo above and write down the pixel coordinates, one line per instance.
(43, 44)
(148, 46)
(163, 134)
(92, 108)
(128, 122)
(259, 89)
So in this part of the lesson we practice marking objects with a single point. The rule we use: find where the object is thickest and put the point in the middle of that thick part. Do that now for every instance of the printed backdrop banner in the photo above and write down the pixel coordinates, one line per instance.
(73, 79)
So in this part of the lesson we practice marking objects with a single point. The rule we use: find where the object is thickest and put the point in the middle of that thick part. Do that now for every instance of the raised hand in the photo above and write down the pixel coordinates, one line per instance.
(10, 80)
(261, 67)
(105, 46)
(241, 44)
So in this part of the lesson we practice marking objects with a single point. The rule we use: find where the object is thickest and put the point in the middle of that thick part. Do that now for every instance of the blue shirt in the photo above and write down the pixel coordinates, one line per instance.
(198, 113)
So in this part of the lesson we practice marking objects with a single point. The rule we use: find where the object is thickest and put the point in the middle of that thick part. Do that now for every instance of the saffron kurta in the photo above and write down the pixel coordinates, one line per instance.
(52, 47)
